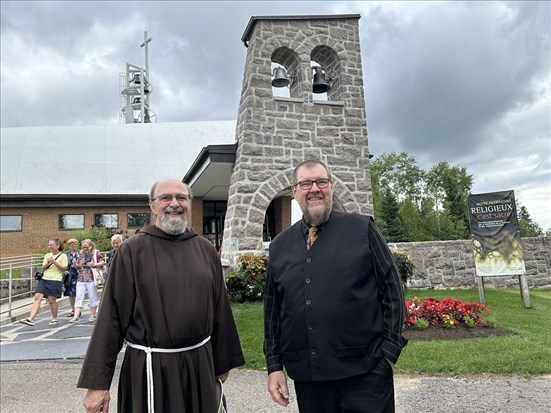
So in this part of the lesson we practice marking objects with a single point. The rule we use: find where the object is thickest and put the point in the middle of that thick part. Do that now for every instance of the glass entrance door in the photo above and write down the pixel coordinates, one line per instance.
(214, 214)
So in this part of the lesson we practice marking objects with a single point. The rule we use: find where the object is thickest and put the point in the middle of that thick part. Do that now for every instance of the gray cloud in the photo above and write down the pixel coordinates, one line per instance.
(465, 82)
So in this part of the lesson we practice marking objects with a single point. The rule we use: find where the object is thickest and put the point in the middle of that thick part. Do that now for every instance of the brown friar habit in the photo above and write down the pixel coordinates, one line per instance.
(165, 292)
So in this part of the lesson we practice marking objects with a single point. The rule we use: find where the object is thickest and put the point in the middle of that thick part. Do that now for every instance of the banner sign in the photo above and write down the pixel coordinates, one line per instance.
(496, 237)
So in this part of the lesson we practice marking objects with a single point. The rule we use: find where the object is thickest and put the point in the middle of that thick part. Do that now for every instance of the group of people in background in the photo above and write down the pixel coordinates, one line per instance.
(71, 273)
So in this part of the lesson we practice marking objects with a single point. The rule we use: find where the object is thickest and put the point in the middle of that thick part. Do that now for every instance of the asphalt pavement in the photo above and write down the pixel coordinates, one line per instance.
(39, 368)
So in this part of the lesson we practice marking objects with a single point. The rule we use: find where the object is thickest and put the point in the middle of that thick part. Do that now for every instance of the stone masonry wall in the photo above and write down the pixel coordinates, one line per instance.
(274, 134)
(450, 264)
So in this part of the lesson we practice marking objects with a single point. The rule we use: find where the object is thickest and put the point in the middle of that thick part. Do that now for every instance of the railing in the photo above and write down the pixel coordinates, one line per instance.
(26, 265)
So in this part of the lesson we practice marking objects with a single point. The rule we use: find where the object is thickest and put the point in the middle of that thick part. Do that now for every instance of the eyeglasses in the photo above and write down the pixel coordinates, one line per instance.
(167, 198)
(320, 183)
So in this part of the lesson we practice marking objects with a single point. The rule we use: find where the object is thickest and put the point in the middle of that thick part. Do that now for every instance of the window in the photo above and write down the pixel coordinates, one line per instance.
(10, 223)
(138, 220)
(71, 221)
(106, 220)
(214, 214)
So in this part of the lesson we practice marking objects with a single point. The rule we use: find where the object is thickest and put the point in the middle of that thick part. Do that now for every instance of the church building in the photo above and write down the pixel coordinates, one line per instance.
(302, 98)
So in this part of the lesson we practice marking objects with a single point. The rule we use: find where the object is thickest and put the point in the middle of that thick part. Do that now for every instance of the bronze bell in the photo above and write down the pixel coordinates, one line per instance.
(280, 77)
(320, 83)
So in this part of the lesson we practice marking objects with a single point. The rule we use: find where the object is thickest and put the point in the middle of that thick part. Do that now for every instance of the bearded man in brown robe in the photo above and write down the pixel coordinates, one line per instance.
(166, 298)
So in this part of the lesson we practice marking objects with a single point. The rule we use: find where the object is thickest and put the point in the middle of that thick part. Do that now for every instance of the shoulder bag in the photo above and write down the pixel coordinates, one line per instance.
(97, 272)
(39, 274)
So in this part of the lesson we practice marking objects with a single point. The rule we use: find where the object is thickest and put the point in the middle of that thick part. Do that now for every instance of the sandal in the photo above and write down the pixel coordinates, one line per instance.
(92, 318)
(53, 323)
(74, 320)
(27, 321)
(71, 314)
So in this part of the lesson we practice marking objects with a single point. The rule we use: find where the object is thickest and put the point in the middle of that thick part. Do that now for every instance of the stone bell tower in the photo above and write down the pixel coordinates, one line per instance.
(274, 133)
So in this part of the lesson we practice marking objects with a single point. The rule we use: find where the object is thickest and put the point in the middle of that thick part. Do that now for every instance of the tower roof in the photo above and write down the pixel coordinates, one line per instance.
(252, 22)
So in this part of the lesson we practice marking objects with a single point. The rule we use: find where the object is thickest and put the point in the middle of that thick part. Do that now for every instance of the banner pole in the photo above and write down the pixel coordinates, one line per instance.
(524, 291)
(481, 292)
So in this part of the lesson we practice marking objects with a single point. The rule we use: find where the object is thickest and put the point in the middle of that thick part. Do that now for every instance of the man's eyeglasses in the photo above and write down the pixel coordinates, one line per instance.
(320, 183)
(167, 198)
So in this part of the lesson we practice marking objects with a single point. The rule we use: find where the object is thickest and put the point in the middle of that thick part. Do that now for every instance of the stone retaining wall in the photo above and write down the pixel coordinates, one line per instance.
(438, 265)
(450, 264)
(19, 286)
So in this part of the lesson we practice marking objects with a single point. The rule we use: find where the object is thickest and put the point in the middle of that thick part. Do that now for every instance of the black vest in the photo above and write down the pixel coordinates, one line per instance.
(331, 321)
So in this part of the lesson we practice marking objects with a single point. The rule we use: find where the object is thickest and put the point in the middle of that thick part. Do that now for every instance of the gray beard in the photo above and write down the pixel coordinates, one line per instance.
(174, 225)
(317, 217)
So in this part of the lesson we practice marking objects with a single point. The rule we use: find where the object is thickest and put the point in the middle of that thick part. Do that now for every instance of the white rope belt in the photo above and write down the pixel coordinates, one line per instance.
(149, 365)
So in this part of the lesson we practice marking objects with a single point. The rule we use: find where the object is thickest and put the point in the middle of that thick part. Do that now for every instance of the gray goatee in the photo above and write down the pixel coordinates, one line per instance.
(174, 225)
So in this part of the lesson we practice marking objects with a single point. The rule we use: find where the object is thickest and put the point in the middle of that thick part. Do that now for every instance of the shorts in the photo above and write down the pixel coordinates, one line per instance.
(49, 288)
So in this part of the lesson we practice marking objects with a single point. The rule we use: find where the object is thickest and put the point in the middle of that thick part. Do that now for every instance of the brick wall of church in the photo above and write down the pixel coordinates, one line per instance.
(42, 224)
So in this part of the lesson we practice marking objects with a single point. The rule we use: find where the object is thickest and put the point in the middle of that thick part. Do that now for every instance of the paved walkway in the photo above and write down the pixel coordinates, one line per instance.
(40, 366)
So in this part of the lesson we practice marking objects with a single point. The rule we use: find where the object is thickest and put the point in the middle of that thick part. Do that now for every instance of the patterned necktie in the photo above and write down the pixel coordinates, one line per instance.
(312, 235)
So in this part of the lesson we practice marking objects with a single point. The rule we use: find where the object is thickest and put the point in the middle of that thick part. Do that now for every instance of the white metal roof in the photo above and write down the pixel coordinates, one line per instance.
(103, 159)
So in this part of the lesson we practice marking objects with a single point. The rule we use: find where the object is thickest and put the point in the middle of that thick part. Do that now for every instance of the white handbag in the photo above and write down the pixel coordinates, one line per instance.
(97, 272)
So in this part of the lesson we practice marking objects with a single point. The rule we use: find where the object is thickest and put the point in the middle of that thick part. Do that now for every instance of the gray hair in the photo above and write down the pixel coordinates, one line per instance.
(117, 237)
(154, 186)
(310, 163)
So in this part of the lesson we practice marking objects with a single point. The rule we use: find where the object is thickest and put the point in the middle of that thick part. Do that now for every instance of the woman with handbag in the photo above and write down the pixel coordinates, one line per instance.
(50, 285)
(116, 241)
(88, 261)
(71, 274)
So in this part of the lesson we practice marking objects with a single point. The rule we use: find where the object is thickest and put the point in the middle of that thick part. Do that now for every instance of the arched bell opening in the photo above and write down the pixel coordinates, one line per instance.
(285, 76)
(326, 70)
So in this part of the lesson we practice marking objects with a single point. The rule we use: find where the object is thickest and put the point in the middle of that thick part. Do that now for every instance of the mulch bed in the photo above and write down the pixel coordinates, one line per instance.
(457, 333)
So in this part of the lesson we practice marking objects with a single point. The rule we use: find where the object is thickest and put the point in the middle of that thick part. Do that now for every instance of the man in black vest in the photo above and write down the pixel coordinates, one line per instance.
(334, 306)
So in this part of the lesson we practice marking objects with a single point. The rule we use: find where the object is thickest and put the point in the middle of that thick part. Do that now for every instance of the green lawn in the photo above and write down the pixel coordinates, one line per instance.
(527, 351)
(5, 275)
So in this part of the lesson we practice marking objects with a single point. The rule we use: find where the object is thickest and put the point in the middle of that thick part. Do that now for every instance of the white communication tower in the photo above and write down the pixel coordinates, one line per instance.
(135, 90)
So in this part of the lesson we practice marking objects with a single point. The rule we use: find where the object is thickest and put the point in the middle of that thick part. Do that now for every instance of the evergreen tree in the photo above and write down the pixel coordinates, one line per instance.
(391, 215)
(431, 221)
(527, 227)
(413, 222)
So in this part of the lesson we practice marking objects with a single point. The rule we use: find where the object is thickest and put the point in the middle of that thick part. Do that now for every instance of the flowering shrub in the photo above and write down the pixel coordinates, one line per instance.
(404, 264)
(448, 321)
(247, 282)
(447, 311)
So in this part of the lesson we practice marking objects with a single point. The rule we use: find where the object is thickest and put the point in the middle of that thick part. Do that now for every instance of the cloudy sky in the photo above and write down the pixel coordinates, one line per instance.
(462, 82)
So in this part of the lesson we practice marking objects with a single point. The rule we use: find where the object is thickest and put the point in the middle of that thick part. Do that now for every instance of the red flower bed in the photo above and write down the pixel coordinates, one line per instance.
(449, 312)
